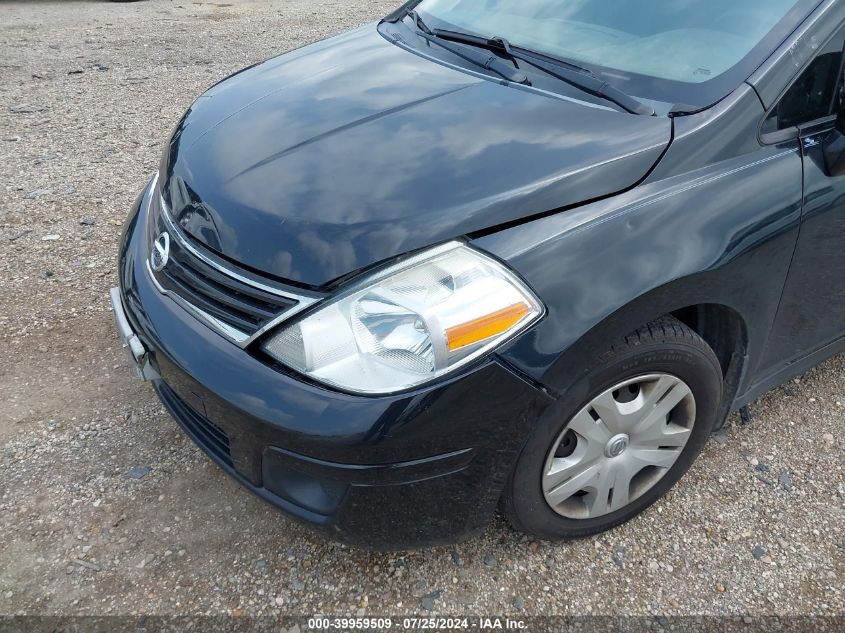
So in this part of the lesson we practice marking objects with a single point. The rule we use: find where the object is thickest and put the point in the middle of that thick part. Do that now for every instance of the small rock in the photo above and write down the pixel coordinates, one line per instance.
(25, 108)
(653, 565)
(51, 238)
(489, 560)
(828, 437)
(418, 589)
(763, 468)
(720, 587)
(456, 558)
(758, 552)
(87, 221)
(19, 234)
(297, 585)
(518, 603)
(745, 417)
(260, 564)
(86, 564)
(38, 193)
(720, 437)
(785, 479)
(765, 480)
(618, 556)
(8, 594)
(138, 472)
(429, 599)
(99, 66)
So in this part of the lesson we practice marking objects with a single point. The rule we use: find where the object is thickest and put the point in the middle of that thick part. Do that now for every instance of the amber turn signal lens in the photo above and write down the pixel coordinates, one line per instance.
(485, 327)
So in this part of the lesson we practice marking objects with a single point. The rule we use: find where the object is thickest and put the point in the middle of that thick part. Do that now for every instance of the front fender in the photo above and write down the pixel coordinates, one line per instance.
(723, 235)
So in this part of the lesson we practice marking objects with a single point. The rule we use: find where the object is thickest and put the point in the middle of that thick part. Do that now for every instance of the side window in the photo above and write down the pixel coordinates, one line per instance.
(815, 94)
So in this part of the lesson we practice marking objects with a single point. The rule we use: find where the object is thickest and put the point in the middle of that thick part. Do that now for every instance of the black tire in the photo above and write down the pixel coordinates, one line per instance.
(663, 346)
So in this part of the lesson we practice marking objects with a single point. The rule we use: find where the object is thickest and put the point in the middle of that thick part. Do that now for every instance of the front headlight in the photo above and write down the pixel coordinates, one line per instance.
(410, 323)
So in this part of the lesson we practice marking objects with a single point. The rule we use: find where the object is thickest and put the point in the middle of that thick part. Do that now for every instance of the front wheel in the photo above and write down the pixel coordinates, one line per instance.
(597, 461)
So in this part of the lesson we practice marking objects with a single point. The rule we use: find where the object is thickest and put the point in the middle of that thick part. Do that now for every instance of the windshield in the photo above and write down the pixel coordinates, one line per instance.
(671, 50)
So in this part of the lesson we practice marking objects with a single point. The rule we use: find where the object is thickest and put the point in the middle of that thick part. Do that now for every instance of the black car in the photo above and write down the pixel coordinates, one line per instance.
(494, 253)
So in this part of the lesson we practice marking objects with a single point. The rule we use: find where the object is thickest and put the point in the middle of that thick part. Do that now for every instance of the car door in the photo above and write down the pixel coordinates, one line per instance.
(811, 316)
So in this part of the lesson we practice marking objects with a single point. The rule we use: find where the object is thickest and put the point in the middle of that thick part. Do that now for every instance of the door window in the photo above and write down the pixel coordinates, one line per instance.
(816, 93)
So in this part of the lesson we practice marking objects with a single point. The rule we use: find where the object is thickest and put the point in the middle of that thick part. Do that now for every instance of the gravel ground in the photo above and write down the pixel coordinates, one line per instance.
(106, 508)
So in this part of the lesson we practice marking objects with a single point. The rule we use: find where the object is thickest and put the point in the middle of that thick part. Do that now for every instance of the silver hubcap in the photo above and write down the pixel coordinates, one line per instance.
(618, 446)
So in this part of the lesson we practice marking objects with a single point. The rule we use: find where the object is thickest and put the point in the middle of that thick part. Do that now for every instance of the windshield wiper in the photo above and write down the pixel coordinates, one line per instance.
(419, 22)
(560, 69)
(488, 61)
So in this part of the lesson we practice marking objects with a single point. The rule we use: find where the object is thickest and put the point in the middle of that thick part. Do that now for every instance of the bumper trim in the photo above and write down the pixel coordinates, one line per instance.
(138, 356)
(377, 474)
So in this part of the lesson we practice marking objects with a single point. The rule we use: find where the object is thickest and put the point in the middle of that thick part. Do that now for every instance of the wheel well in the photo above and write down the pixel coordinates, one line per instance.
(724, 331)
(720, 326)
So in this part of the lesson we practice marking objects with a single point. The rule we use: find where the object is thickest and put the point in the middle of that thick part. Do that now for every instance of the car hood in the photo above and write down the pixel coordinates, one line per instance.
(351, 151)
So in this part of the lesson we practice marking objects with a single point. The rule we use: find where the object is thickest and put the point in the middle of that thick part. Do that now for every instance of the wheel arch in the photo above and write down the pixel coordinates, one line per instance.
(722, 324)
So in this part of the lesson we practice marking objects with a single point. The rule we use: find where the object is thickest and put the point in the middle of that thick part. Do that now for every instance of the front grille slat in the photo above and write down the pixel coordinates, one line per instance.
(207, 434)
(210, 441)
(253, 293)
(219, 295)
(231, 316)
(214, 432)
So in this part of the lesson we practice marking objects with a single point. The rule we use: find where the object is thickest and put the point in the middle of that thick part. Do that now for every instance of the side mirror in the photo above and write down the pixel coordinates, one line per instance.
(833, 146)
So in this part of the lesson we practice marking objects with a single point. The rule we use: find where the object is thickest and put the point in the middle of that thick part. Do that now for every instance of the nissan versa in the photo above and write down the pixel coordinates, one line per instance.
(516, 254)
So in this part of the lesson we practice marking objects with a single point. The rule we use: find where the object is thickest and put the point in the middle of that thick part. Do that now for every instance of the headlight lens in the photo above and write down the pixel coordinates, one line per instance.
(409, 324)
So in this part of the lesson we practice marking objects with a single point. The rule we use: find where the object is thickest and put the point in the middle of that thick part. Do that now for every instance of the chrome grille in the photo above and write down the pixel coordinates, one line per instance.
(243, 307)
(238, 304)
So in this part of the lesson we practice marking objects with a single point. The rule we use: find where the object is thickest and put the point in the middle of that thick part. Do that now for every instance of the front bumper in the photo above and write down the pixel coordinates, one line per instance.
(389, 472)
